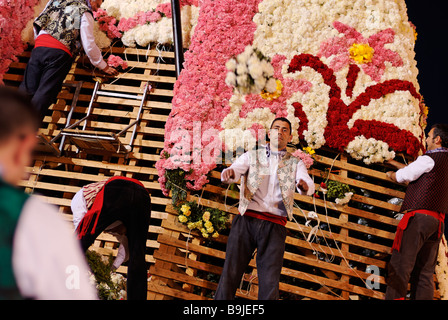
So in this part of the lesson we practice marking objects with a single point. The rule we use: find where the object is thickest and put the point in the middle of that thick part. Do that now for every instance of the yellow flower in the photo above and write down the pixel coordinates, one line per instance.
(208, 224)
(274, 95)
(183, 218)
(206, 216)
(361, 53)
(191, 225)
(185, 209)
(198, 224)
(215, 235)
(309, 150)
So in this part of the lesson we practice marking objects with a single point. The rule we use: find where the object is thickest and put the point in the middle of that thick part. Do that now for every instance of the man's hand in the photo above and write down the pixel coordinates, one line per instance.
(110, 71)
(303, 186)
(391, 175)
(227, 175)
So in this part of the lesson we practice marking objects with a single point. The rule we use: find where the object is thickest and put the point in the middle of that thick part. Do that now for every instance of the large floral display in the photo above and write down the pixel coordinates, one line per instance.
(342, 71)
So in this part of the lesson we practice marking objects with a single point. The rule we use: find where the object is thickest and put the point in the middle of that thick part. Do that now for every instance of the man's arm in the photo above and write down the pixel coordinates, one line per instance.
(412, 171)
(304, 183)
(90, 48)
(233, 173)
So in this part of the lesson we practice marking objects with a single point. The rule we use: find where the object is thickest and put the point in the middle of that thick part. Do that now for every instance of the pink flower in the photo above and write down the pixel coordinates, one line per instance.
(165, 8)
(339, 47)
(305, 157)
(115, 61)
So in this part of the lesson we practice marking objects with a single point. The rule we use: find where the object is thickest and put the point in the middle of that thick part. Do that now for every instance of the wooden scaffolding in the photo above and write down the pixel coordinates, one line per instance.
(341, 254)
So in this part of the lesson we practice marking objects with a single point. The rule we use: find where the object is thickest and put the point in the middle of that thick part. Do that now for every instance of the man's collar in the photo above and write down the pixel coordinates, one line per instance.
(441, 149)
(277, 152)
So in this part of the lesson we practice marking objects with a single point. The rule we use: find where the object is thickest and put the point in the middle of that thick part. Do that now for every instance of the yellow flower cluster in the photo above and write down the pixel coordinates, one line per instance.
(273, 95)
(185, 210)
(309, 150)
(361, 53)
(204, 225)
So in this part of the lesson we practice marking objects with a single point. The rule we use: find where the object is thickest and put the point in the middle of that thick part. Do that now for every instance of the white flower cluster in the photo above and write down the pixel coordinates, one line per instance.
(159, 32)
(291, 27)
(369, 150)
(345, 200)
(237, 133)
(250, 72)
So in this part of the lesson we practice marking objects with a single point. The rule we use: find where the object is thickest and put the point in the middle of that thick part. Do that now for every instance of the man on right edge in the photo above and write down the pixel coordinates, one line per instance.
(415, 248)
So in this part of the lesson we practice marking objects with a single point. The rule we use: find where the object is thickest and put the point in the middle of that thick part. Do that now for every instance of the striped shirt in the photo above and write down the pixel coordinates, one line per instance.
(91, 190)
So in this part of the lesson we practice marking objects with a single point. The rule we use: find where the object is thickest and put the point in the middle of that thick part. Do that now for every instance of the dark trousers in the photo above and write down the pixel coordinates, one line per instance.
(246, 235)
(129, 203)
(416, 260)
(44, 74)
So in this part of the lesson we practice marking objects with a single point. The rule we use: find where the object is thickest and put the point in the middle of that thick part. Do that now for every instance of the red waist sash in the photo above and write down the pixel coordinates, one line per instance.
(403, 224)
(266, 216)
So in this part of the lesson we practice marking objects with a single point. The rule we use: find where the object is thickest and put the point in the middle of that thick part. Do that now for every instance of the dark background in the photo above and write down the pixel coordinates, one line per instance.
(431, 49)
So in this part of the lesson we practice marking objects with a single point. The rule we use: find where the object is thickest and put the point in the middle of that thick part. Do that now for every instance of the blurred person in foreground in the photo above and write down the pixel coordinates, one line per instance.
(40, 258)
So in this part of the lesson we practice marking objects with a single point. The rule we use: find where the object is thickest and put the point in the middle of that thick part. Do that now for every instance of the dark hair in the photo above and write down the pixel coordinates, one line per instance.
(16, 113)
(282, 119)
(441, 130)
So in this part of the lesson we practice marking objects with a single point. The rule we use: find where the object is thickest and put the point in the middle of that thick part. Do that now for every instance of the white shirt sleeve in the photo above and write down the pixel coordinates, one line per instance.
(79, 207)
(240, 167)
(302, 174)
(414, 170)
(48, 261)
(88, 41)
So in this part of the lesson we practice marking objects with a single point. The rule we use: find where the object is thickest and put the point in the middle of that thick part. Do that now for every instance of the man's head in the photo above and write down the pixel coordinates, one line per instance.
(437, 137)
(18, 126)
(280, 133)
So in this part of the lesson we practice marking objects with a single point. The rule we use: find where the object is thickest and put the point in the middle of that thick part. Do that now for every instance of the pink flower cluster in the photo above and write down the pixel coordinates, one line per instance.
(223, 30)
(139, 19)
(107, 23)
(305, 157)
(116, 61)
(14, 15)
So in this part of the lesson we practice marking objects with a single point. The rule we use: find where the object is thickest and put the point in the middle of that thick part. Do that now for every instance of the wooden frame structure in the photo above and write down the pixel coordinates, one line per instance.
(344, 257)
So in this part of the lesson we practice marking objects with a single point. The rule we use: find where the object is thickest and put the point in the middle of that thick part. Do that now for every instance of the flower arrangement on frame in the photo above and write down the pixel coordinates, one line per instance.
(345, 76)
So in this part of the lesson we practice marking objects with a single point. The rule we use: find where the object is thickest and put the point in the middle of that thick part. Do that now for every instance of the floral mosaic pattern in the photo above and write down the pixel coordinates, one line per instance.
(345, 71)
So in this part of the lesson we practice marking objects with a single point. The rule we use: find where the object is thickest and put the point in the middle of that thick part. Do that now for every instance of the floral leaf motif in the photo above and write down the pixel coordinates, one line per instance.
(339, 47)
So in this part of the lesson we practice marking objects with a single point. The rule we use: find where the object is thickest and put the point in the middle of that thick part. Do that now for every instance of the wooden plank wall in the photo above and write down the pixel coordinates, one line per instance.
(57, 179)
(332, 263)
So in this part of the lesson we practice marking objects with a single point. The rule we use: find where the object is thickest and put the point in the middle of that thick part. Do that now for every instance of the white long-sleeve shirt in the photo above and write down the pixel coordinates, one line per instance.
(47, 259)
(268, 197)
(87, 40)
(414, 170)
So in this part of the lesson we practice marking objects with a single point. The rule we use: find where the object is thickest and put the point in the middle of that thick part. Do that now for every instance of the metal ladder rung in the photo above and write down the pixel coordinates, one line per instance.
(119, 95)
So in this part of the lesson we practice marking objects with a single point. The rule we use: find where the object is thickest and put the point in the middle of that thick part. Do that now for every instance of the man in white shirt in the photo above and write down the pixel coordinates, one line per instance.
(60, 31)
(39, 256)
(266, 200)
(415, 248)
